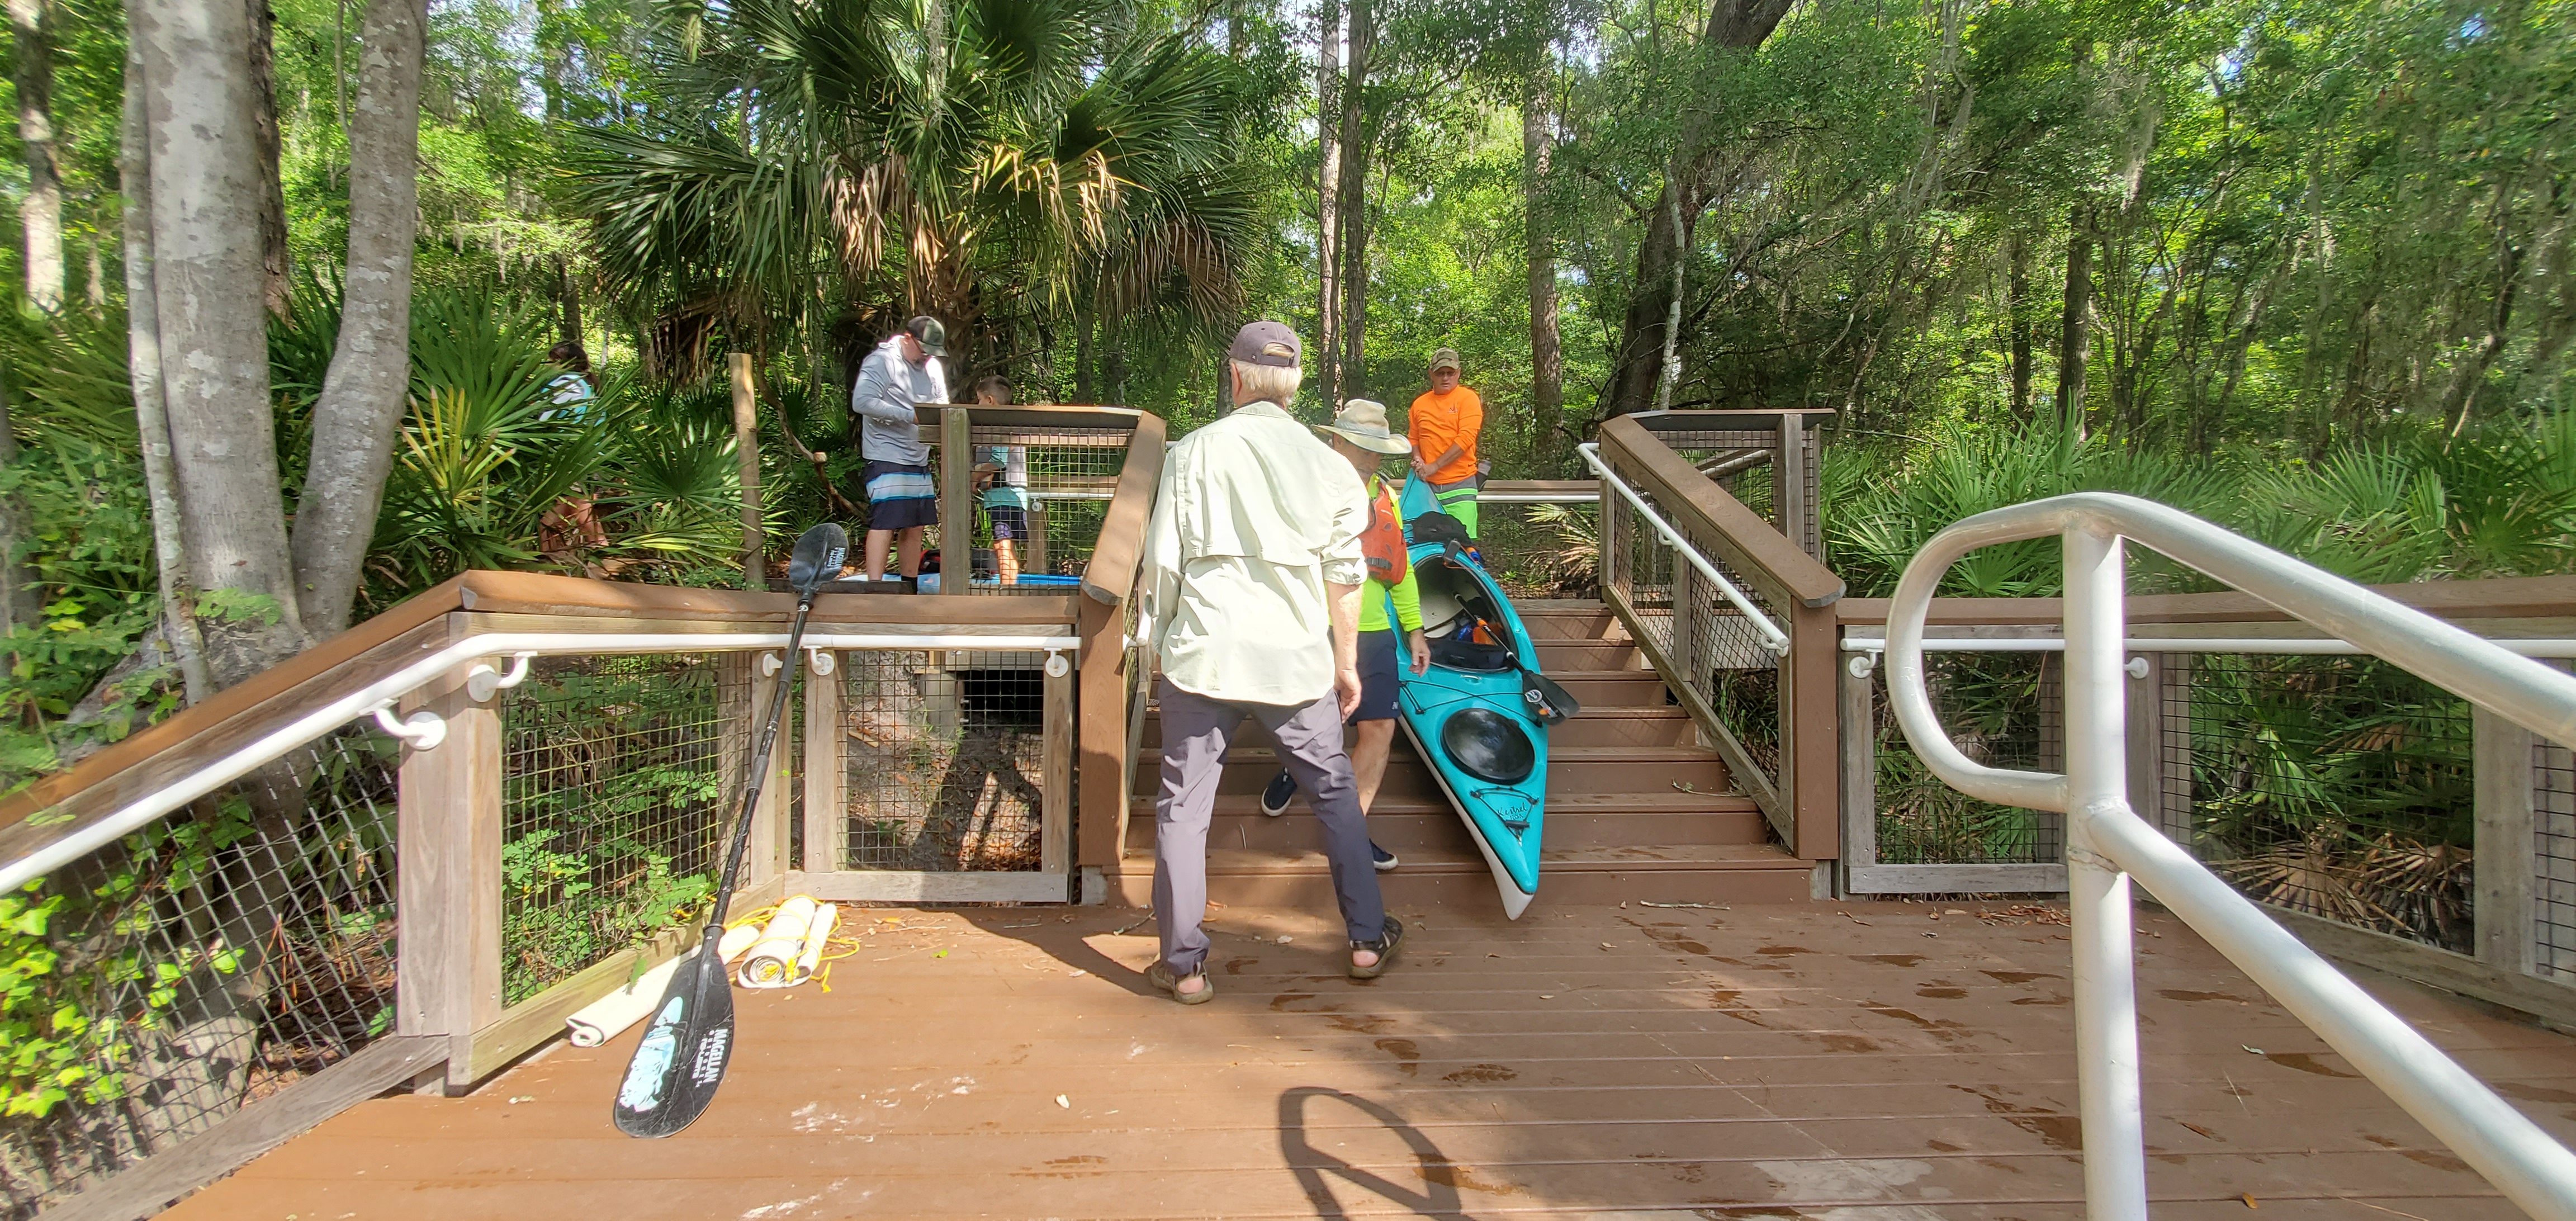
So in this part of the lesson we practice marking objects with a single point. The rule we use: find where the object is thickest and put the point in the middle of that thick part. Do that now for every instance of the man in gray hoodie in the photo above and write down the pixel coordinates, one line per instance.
(903, 493)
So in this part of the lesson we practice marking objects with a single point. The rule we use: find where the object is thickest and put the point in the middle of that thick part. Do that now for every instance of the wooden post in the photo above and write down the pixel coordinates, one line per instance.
(827, 813)
(1101, 704)
(1810, 771)
(956, 501)
(1687, 654)
(2506, 918)
(1055, 823)
(1789, 479)
(448, 821)
(2147, 744)
(1858, 727)
(746, 695)
(746, 448)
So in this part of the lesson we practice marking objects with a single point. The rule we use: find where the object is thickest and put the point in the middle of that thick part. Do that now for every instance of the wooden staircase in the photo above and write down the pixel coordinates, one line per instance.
(1636, 807)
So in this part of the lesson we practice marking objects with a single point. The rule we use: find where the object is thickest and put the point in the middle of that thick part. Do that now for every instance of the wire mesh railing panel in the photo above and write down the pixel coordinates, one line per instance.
(2553, 866)
(2002, 710)
(615, 778)
(164, 982)
(1716, 651)
(2337, 786)
(1544, 550)
(946, 759)
(1063, 480)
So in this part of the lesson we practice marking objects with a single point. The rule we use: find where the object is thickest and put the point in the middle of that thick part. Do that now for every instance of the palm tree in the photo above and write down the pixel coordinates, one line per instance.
(998, 163)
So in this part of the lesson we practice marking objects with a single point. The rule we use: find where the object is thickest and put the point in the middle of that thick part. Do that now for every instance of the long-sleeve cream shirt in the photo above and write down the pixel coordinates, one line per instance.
(1253, 517)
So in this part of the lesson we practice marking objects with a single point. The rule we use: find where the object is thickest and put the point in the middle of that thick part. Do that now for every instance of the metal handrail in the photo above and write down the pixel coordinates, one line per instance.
(1773, 638)
(2107, 843)
(381, 694)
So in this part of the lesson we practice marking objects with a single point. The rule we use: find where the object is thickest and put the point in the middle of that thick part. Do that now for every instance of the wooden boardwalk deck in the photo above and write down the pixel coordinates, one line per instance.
(1785, 1061)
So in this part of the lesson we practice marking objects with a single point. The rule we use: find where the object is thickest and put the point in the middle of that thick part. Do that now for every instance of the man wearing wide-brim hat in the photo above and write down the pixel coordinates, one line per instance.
(1361, 436)
(1251, 589)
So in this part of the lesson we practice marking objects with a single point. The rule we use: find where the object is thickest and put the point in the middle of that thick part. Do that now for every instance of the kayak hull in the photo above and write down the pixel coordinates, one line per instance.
(1467, 717)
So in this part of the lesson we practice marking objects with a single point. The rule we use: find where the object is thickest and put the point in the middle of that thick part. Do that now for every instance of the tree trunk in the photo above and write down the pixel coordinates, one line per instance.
(1736, 26)
(1547, 349)
(1083, 388)
(2075, 336)
(364, 394)
(200, 136)
(571, 287)
(143, 364)
(274, 258)
(1328, 185)
(41, 212)
(22, 602)
(2018, 303)
(1353, 208)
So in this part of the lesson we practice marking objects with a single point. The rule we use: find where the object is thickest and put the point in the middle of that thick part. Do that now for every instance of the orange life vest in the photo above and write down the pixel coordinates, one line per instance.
(1382, 543)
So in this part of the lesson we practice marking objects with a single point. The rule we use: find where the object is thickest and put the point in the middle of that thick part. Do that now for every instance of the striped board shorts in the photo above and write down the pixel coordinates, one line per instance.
(900, 496)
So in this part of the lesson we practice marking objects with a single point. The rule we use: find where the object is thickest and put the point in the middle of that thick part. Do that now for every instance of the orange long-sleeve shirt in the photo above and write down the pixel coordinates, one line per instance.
(1442, 420)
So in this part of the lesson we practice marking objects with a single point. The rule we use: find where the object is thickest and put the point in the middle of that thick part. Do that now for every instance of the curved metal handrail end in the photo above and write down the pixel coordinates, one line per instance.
(1907, 693)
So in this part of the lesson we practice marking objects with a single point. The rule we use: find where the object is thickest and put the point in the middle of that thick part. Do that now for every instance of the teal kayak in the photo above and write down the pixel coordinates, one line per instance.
(1479, 716)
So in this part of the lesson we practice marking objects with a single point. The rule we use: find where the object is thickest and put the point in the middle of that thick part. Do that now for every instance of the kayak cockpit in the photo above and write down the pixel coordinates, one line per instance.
(1466, 630)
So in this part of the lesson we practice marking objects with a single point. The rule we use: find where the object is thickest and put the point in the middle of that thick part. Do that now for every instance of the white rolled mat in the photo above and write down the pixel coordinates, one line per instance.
(610, 1015)
(790, 947)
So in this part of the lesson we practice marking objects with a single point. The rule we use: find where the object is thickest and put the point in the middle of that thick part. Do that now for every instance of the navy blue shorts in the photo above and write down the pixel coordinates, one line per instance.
(1010, 522)
(900, 496)
(1380, 654)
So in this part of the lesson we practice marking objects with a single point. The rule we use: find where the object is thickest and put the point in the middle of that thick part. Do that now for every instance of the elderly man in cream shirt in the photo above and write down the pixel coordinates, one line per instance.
(1252, 582)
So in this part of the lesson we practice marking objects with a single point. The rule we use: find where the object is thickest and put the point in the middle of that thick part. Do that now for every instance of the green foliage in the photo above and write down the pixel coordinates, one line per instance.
(610, 813)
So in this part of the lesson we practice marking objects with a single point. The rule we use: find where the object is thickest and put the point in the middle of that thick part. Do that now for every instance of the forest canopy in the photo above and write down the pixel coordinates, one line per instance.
(2301, 266)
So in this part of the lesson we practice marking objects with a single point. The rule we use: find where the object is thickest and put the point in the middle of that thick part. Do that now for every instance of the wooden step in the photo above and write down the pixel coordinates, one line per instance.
(1555, 655)
(1409, 825)
(1728, 873)
(1567, 619)
(1612, 725)
(1570, 769)
(1619, 688)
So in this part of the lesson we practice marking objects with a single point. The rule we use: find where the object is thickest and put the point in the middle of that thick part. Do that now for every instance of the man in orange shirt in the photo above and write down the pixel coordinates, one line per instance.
(1444, 423)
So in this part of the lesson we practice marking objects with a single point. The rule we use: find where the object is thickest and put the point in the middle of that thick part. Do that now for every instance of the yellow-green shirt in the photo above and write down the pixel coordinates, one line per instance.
(1405, 594)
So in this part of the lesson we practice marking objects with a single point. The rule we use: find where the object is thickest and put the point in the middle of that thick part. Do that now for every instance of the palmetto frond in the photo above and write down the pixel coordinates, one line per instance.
(990, 150)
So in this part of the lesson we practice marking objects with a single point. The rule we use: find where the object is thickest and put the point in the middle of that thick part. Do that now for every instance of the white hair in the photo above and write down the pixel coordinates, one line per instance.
(1266, 383)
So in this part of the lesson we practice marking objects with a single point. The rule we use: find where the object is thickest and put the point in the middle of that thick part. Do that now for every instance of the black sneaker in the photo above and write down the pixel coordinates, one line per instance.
(1274, 800)
(1380, 857)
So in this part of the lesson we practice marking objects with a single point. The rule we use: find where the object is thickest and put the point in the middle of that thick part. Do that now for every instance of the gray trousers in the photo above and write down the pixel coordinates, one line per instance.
(1195, 729)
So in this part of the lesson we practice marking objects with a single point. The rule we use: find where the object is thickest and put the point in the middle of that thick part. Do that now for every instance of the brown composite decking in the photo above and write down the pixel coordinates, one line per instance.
(1761, 1061)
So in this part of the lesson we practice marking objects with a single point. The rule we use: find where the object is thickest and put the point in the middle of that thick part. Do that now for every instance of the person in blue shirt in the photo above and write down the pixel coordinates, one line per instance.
(1004, 472)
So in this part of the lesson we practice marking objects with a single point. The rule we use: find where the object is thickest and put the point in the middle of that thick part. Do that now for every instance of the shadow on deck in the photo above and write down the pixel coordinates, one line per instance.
(1760, 1061)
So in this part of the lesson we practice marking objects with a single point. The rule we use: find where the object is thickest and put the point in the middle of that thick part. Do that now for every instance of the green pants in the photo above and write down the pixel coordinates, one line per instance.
(1458, 500)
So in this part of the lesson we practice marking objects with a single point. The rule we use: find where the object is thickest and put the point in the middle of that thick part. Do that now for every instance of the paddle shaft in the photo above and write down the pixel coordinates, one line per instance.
(759, 771)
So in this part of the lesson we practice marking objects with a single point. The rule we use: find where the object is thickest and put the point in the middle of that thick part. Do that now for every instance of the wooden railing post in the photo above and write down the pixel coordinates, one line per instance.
(746, 695)
(1103, 746)
(1857, 729)
(1810, 776)
(2502, 771)
(956, 501)
(448, 890)
(826, 774)
(1789, 480)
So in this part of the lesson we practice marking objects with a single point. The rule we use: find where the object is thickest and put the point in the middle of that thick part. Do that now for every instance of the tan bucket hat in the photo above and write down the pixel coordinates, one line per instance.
(1363, 423)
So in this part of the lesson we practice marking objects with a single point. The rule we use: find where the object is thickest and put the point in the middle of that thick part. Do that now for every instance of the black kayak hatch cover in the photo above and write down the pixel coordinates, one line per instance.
(1488, 745)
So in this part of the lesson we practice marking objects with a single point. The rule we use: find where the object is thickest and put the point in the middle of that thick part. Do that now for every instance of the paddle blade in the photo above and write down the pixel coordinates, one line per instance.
(689, 1041)
(1548, 702)
(818, 557)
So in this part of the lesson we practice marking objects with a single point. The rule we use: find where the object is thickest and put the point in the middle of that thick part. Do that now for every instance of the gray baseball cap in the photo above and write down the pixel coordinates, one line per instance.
(1266, 343)
(932, 335)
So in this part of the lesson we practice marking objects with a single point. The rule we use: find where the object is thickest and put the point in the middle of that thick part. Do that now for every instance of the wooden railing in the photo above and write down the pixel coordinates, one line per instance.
(1779, 743)
(433, 838)
(2517, 877)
